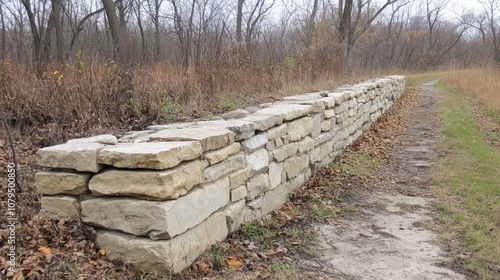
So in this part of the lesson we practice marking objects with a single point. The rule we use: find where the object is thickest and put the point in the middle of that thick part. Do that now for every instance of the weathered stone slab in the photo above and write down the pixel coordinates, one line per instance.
(327, 125)
(239, 193)
(77, 156)
(210, 139)
(136, 136)
(242, 129)
(162, 255)
(277, 132)
(234, 215)
(294, 165)
(284, 152)
(156, 219)
(229, 165)
(258, 160)
(257, 185)
(149, 184)
(221, 154)
(275, 174)
(101, 139)
(254, 143)
(55, 182)
(287, 111)
(330, 113)
(155, 155)
(305, 145)
(239, 177)
(300, 128)
(263, 122)
(60, 207)
(316, 125)
(276, 197)
(255, 204)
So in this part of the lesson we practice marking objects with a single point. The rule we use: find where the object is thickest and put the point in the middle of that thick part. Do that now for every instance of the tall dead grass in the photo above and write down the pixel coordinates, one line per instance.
(61, 101)
(483, 84)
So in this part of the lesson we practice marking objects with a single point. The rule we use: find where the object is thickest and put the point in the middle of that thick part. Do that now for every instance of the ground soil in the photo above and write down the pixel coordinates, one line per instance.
(390, 236)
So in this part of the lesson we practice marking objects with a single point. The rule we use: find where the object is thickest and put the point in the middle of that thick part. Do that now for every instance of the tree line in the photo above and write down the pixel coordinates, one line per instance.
(336, 35)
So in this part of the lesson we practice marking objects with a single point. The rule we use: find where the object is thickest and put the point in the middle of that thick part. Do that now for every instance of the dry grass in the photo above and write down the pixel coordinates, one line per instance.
(483, 84)
(56, 102)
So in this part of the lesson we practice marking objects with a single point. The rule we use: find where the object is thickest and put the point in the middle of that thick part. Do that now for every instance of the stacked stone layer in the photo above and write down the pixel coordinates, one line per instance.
(162, 196)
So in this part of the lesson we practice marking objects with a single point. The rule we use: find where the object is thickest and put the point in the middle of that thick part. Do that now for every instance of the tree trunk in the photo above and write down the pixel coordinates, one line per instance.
(239, 20)
(116, 31)
(37, 40)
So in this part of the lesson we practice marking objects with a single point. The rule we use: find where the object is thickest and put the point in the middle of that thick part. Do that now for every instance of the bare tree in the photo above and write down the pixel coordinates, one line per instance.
(491, 9)
(116, 29)
(354, 19)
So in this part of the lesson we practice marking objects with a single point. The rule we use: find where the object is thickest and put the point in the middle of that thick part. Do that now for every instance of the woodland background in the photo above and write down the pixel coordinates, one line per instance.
(69, 68)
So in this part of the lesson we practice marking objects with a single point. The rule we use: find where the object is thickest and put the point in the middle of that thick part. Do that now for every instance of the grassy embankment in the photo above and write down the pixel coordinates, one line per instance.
(467, 177)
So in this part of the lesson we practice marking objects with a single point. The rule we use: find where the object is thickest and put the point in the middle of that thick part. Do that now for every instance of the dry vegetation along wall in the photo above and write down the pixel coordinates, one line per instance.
(161, 197)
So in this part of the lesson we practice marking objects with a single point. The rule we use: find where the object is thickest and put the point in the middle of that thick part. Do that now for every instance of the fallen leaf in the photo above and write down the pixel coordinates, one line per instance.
(203, 267)
(45, 250)
(233, 261)
(102, 252)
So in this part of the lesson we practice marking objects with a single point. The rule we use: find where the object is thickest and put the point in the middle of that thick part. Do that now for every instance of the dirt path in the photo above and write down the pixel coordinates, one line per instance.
(388, 237)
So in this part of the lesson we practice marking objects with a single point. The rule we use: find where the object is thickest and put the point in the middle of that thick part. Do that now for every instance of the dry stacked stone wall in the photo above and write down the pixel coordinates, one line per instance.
(160, 197)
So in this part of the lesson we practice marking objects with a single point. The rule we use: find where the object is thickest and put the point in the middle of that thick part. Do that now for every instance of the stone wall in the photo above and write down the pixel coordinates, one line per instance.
(159, 198)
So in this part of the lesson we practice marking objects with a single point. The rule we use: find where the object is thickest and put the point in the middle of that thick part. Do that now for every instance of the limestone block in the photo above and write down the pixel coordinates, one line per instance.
(232, 163)
(221, 154)
(239, 193)
(287, 111)
(155, 155)
(277, 132)
(327, 125)
(234, 215)
(278, 143)
(101, 139)
(159, 256)
(275, 174)
(339, 96)
(254, 143)
(210, 139)
(329, 102)
(242, 129)
(258, 160)
(239, 177)
(60, 207)
(316, 129)
(326, 136)
(270, 146)
(77, 156)
(235, 114)
(156, 219)
(149, 184)
(257, 186)
(255, 204)
(136, 136)
(326, 149)
(55, 182)
(314, 155)
(300, 128)
(263, 122)
(330, 113)
(341, 108)
(284, 152)
(276, 197)
(305, 145)
(312, 99)
(294, 165)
